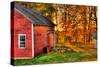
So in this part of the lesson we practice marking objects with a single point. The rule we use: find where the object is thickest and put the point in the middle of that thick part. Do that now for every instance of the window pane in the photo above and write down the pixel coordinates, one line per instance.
(22, 38)
(22, 45)
(22, 42)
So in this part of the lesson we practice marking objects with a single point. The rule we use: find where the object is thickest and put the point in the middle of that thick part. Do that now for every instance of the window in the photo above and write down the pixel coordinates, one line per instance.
(22, 40)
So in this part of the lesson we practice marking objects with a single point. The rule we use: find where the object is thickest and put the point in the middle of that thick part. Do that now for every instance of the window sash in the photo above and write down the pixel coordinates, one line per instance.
(22, 40)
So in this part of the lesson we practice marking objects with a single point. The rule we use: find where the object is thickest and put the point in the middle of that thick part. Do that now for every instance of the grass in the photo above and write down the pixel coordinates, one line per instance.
(54, 57)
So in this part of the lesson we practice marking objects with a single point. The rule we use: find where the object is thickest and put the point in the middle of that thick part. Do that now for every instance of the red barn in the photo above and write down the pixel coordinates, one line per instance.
(31, 33)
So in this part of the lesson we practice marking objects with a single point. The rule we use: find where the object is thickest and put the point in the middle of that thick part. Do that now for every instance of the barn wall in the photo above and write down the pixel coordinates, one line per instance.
(21, 25)
(51, 39)
(40, 39)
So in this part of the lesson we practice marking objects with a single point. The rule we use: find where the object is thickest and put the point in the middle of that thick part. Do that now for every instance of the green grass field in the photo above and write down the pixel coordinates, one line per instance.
(54, 57)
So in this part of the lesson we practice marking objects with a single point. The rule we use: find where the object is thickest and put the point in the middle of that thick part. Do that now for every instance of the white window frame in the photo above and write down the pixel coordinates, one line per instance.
(19, 35)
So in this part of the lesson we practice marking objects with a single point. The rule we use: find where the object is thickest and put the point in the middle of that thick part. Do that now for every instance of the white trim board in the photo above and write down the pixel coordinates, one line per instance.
(32, 41)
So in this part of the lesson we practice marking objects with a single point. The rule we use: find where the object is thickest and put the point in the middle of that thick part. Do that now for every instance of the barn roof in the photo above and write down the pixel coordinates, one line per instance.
(35, 16)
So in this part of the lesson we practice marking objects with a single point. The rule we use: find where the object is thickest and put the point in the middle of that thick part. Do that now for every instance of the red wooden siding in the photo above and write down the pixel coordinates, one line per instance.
(51, 39)
(22, 26)
(40, 38)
